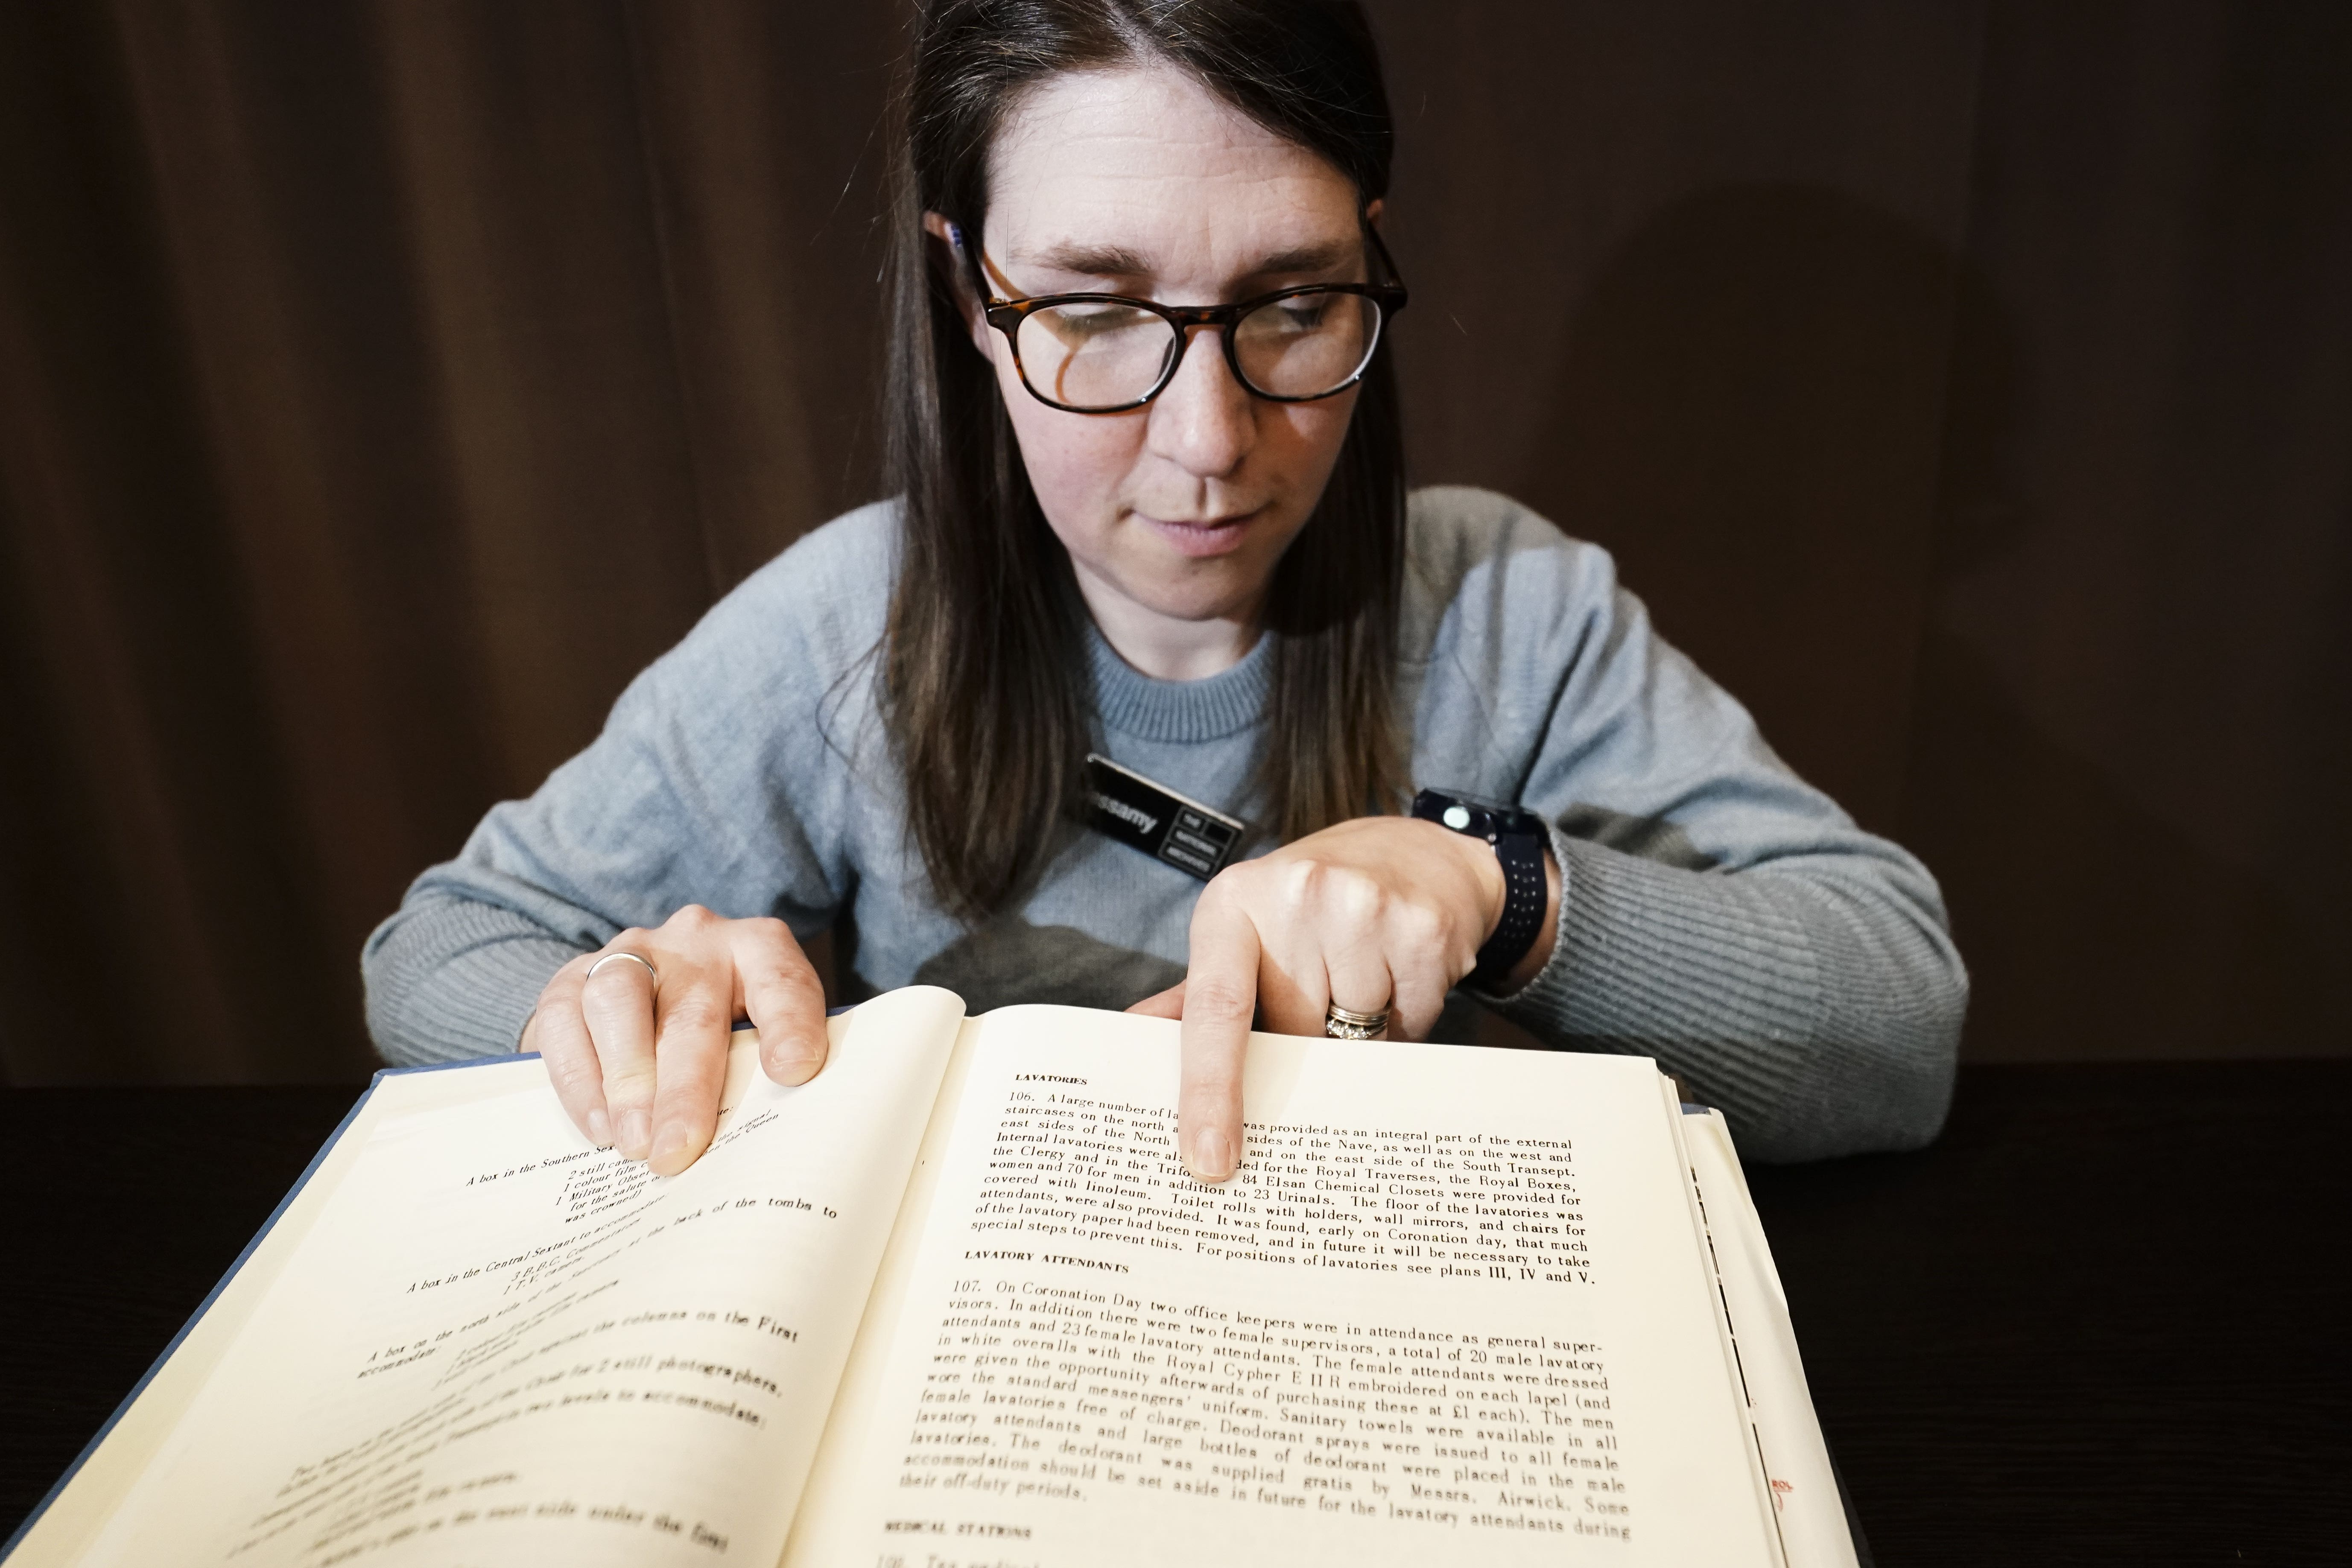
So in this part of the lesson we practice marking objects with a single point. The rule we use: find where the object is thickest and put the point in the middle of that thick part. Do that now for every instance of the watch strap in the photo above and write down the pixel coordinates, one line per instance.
(1520, 840)
(1523, 910)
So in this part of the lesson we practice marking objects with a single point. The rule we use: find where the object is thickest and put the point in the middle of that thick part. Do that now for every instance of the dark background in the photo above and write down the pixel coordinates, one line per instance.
(1968, 386)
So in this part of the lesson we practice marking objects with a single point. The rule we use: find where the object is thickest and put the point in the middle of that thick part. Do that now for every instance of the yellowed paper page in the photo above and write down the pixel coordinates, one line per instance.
(498, 1344)
(1811, 1515)
(1454, 1308)
(68, 1525)
(849, 1431)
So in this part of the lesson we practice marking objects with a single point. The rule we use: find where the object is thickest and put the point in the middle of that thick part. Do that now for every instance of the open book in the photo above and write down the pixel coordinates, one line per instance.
(954, 1302)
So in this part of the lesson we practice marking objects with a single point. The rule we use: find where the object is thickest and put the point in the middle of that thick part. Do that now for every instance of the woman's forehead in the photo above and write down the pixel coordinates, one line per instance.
(1142, 171)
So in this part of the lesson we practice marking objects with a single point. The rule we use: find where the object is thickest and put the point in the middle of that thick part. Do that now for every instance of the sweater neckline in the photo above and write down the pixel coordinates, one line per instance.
(1209, 708)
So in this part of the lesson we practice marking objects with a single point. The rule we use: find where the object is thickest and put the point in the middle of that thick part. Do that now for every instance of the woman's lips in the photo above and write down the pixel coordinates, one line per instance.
(1201, 537)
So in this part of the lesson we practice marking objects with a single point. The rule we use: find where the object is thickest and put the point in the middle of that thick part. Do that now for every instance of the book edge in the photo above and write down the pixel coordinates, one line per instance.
(1679, 1111)
(25, 1528)
(1743, 1228)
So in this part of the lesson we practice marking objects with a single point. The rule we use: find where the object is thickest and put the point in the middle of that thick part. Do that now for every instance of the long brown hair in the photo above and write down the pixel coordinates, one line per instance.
(985, 685)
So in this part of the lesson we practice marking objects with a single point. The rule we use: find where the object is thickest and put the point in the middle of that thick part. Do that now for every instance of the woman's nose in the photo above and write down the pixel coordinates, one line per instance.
(1206, 421)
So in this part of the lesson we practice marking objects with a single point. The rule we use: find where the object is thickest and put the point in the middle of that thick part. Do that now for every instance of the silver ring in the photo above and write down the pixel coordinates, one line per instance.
(1341, 1025)
(633, 958)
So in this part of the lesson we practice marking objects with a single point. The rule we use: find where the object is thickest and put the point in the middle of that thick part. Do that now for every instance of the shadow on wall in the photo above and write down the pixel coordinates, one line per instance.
(1787, 413)
(2093, 927)
(1746, 414)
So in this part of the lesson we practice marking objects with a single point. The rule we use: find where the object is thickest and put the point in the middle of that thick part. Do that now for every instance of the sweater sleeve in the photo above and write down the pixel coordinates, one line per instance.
(1808, 1003)
(721, 778)
(451, 977)
(1716, 913)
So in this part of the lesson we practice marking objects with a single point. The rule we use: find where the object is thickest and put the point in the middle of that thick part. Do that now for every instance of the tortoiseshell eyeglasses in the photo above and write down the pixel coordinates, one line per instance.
(1104, 354)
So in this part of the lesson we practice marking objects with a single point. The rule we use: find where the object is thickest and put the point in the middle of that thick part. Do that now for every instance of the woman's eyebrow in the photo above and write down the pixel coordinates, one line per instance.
(1087, 260)
(1305, 258)
(1090, 260)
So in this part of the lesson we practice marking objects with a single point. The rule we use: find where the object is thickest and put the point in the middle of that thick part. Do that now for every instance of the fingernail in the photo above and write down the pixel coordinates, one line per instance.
(636, 1131)
(599, 1128)
(796, 1068)
(1213, 1157)
(672, 1144)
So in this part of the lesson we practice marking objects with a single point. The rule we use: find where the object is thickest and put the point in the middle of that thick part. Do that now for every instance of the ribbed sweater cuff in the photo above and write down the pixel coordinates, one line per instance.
(1714, 977)
(454, 979)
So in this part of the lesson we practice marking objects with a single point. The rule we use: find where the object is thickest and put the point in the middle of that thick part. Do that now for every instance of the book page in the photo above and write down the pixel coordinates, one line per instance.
(1811, 1513)
(1454, 1306)
(88, 1495)
(498, 1343)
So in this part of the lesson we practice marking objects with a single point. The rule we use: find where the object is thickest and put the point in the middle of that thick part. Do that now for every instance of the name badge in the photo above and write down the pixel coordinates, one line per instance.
(1122, 803)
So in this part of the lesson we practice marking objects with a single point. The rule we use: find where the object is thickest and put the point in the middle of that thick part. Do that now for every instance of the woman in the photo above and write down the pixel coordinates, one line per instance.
(1176, 536)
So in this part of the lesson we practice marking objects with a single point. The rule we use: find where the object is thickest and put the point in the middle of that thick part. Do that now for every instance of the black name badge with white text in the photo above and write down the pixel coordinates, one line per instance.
(1122, 803)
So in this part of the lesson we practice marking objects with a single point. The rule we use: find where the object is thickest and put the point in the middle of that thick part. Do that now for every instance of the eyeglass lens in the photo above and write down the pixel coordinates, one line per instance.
(1091, 354)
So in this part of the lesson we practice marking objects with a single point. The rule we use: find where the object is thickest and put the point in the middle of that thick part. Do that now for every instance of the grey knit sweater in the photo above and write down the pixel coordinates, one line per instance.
(1716, 913)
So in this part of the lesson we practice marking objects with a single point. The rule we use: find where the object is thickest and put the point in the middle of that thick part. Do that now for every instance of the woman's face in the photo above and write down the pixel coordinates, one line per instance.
(1141, 181)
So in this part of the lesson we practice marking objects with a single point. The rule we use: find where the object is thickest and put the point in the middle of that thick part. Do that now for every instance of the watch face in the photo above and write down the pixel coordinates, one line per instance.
(1486, 804)
(1512, 819)
(1475, 813)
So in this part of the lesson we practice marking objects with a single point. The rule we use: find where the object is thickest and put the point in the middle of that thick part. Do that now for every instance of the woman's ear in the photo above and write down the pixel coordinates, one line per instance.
(945, 243)
(1372, 213)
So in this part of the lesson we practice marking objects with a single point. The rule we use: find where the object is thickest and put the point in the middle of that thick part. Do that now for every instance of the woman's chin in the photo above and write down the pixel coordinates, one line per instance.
(1217, 589)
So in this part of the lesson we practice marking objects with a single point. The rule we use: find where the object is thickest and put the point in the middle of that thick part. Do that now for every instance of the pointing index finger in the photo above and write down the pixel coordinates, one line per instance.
(1219, 1000)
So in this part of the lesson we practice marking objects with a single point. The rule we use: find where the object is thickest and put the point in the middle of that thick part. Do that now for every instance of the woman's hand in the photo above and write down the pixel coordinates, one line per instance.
(1380, 913)
(640, 1066)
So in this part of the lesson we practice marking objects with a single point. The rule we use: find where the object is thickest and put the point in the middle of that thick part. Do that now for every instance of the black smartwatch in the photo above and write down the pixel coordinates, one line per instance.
(1519, 841)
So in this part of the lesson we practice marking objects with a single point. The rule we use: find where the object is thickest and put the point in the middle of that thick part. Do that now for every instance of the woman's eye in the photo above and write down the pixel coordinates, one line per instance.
(1094, 320)
(1303, 315)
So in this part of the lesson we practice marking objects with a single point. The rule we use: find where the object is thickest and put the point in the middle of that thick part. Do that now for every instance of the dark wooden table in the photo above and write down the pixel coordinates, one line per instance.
(2102, 1321)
